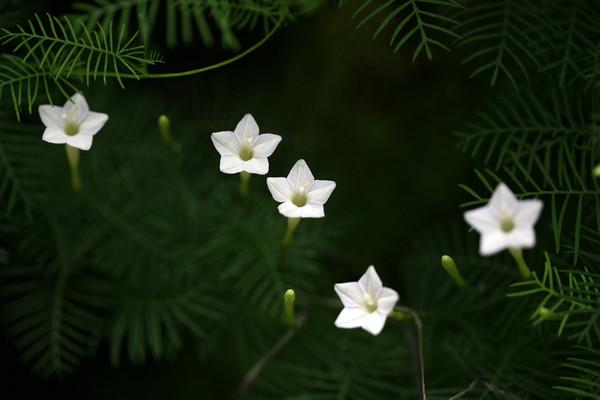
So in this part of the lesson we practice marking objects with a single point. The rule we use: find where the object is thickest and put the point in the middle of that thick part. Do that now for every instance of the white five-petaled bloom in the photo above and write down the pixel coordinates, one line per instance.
(366, 303)
(300, 195)
(244, 149)
(505, 222)
(73, 123)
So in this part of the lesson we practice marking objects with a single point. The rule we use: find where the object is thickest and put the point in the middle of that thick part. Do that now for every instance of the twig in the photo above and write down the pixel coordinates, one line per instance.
(253, 373)
(419, 326)
(489, 386)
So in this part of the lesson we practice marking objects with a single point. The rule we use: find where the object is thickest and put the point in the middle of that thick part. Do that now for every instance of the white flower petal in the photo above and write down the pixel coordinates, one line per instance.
(265, 144)
(53, 135)
(82, 142)
(76, 107)
(351, 294)
(312, 211)
(492, 243)
(280, 189)
(387, 300)
(351, 318)
(226, 143)
(528, 212)
(374, 323)
(503, 201)
(370, 283)
(521, 238)
(320, 191)
(52, 116)
(246, 129)
(300, 175)
(92, 123)
(257, 165)
(482, 219)
(231, 164)
(289, 209)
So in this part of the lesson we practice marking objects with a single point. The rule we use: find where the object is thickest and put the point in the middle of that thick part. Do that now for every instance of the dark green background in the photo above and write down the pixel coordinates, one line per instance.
(371, 120)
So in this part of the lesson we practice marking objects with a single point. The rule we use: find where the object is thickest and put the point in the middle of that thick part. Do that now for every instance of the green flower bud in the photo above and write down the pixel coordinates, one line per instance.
(450, 266)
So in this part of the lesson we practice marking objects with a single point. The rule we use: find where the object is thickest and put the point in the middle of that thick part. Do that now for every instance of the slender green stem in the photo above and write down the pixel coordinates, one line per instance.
(196, 70)
(523, 268)
(401, 312)
(289, 233)
(244, 184)
(73, 158)
(255, 371)
(489, 386)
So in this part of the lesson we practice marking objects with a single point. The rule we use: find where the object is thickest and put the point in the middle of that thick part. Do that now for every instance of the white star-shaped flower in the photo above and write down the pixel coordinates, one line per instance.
(300, 195)
(366, 303)
(505, 222)
(73, 123)
(244, 149)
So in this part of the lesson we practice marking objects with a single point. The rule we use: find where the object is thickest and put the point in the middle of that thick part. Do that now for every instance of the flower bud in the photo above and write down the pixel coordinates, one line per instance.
(289, 299)
(450, 266)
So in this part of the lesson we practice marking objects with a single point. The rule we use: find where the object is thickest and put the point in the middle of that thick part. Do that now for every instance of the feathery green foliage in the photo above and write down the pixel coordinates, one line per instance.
(584, 378)
(20, 178)
(528, 128)
(186, 19)
(572, 298)
(158, 253)
(422, 21)
(50, 304)
(503, 36)
(569, 197)
(51, 52)
(573, 32)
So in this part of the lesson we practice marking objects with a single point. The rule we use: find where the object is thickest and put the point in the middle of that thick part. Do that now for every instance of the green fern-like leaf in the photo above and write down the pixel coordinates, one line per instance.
(591, 67)
(51, 52)
(151, 321)
(23, 81)
(186, 18)
(528, 126)
(564, 180)
(572, 33)
(358, 367)
(50, 308)
(415, 20)
(583, 380)
(503, 36)
(21, 174)
(572, 298)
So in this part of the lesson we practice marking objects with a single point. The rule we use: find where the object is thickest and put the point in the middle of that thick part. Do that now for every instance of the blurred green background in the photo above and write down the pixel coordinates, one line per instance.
(373, 121)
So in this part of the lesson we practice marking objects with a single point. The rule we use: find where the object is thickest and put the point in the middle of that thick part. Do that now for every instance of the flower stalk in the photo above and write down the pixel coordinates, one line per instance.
(244, 184)
(523, 267)
(289, 233)
(73, 158)
(406, 313)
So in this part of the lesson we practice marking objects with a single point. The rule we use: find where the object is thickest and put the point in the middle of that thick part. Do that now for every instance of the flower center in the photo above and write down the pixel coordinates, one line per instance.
(300, 198)
(507, 225)
(370, 304)
(246, 153)
(71, 129)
